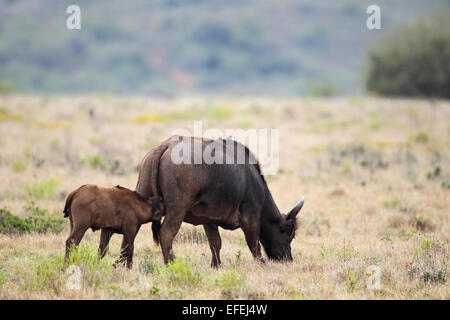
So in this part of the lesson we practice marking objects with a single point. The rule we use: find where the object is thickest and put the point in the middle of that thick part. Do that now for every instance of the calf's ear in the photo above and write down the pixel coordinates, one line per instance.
(293, 213)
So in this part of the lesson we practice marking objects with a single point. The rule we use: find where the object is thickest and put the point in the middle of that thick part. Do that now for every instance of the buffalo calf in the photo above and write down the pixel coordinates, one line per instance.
(113, 210)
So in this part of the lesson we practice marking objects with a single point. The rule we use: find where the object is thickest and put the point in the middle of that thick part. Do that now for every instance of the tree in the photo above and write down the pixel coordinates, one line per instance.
(413, 61)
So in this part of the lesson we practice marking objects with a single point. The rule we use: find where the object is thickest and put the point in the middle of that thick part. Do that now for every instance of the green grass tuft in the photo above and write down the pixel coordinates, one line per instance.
(18, 166)
(229, 279)
(391, 204)
(181, 272)
(421, 137)
(41, 189)
(3, 276)
(220, 112)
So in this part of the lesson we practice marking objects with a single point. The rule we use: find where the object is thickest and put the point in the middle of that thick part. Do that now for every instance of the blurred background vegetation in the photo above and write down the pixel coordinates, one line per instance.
(413, 61)
(228, 47)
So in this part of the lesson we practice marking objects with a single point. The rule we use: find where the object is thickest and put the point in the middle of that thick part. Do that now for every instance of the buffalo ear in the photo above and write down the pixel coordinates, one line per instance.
(293, 213)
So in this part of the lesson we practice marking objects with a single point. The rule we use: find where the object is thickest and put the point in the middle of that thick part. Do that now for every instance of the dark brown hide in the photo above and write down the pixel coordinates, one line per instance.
(215, 195)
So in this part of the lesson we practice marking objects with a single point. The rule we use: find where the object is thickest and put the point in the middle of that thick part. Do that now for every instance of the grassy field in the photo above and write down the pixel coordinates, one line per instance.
(375, 174)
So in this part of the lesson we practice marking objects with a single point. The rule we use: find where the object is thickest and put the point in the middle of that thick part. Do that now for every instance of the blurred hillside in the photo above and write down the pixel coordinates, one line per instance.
(168, 47)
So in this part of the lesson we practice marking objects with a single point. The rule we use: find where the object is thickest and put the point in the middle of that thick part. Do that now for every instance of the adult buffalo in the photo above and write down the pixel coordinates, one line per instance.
(227, 195)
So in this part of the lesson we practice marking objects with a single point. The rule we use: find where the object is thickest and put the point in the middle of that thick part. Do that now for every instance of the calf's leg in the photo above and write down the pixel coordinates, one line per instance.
(105, 236)
(127, 248)
(74, 239)
(215, 243)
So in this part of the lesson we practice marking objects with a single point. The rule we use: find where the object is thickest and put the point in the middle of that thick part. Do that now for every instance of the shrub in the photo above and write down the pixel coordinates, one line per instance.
(430, 262)
(434, 276)
(414, 61)
(181, 272)
(111, 166)
(87, 255)
(445, 184)
(147, 118)
(220, 112)
(238, 256)
(229, 283)
(154, 289)
(229, 279)
(41, 189)
(391, 204)
(39, 221)
(5, 88)
(352, 274)
(147, 265)
(10, 223)
(434, 174)
(421, 137)
(95, 272)
(3, 276)
(352, 280)
(325, 88)
(42, 221)
(422, 224)
(50, 272)
(18, 166)
(181, 114)
(95, 161)
(43, 273)
(94, 140)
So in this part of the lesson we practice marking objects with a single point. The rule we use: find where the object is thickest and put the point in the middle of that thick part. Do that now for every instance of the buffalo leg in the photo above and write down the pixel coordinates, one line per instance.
(251, 232)
(169, 228)
(74, 239)
(215, 243)
(105, 236)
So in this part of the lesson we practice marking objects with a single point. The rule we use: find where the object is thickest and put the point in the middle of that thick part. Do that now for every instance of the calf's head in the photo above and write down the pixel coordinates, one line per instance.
(158, 208)
(277, 243)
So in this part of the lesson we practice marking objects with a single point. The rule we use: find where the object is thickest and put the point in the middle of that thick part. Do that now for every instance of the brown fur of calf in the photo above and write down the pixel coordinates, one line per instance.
(113, 210)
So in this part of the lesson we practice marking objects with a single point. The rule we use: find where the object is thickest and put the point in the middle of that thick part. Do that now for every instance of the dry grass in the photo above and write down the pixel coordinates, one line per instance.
(375, 174)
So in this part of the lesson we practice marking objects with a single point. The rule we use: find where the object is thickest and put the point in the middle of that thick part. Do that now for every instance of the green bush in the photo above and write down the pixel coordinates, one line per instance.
(229, 279)
(324, 88)
(5, 88)
(110, 165)
(413, 61)
(52, 273)
(147, 265)
(229, 283)
(10, 223)
(3, 276)
(43, 273)
(95, 161)
(41, 189)
(86, 255)
(18, 166)
(181, 272)
(430, 262)
(39, 221)
(94, 272)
